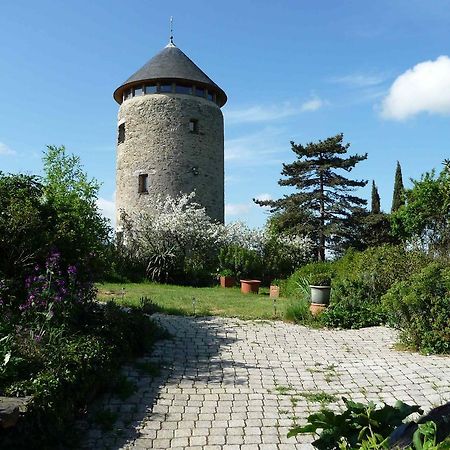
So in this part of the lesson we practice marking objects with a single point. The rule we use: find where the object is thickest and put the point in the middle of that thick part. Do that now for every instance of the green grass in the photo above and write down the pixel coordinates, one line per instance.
(215, 301)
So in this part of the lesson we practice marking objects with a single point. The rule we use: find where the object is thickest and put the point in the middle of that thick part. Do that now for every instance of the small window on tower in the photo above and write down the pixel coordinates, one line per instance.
(143, 183)
(121, 134)
(193, 126)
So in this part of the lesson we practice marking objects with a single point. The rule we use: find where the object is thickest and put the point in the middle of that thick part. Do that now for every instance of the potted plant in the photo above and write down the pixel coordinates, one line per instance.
(320, 286)
(274, 289)
(226, 278)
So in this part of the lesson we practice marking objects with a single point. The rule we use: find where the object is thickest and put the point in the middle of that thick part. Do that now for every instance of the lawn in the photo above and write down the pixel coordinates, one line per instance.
(216, 301)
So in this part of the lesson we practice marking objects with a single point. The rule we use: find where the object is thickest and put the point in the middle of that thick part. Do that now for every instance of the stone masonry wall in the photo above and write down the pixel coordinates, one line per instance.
(158, 142)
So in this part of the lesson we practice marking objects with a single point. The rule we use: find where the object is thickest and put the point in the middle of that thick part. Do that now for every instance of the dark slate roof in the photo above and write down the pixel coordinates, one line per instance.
(171, 64)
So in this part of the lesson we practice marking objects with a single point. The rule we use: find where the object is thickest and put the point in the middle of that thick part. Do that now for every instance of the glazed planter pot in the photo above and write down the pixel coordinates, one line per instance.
(250, 286)
(320, 295)
(227, 282)
(274, 291)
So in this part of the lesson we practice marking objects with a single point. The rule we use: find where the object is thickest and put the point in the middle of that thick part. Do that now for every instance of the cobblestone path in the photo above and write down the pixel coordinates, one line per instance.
(232, 384)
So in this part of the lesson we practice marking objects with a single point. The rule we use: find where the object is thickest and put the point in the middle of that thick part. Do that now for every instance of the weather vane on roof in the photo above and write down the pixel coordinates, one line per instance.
(171, 30)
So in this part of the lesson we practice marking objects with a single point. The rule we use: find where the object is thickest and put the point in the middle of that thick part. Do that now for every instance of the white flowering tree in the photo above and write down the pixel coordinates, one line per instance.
(179, 242)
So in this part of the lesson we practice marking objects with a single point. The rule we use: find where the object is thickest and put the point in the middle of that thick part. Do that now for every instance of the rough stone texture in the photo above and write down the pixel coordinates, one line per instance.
(229, 384)
(158, 142)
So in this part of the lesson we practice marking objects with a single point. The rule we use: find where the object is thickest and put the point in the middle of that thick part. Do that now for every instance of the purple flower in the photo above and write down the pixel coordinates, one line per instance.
(72, 270)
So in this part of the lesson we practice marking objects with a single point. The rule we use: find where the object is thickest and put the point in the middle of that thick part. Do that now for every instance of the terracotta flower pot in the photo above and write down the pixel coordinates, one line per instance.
(227, 282)
(274, 291)
(250, 286)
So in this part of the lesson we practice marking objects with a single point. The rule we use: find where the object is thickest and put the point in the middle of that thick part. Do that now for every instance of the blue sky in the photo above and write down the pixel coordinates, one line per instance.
(377, 71)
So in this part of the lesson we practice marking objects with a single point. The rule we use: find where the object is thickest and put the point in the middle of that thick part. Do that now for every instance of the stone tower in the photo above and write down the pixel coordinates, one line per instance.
(170, 135)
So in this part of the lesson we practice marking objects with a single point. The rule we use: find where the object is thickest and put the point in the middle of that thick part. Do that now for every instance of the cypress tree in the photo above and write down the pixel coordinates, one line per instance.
(398, 198)
(321, 206)
(376, 205)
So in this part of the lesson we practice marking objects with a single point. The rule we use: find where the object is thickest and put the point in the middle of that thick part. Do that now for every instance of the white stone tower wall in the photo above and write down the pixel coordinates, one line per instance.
(159, 142)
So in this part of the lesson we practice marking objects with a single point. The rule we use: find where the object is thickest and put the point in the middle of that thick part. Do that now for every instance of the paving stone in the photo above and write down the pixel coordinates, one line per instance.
(222, 381)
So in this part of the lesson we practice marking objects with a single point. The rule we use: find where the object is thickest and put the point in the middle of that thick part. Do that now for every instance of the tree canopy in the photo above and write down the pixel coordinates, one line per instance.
(322, 204)
(424, 220)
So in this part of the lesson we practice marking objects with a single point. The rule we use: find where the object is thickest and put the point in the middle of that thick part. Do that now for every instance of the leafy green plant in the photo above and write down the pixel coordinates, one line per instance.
(297, 311)
(420, 307)
(357, 423)
(320, 279)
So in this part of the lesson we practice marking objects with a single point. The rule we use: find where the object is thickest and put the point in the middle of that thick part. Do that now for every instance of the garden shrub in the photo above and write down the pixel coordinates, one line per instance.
(299, 281)
(297, 311)
(359, 280)
(240, 261)
(420, 307)
(352, 306)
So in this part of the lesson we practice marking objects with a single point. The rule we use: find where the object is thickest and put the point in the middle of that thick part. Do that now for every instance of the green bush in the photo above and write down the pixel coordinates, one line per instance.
(359, 280)
(241, 262)
(297, 311)
(420, 307)
(295, 284)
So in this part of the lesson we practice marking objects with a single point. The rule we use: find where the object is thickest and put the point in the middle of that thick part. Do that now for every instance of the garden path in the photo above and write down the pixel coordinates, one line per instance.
(233, 384)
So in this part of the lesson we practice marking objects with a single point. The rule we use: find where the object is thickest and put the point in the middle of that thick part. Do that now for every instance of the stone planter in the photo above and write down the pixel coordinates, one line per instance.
(227, 282)
(274, 291)
(250, 286)
(320, 295)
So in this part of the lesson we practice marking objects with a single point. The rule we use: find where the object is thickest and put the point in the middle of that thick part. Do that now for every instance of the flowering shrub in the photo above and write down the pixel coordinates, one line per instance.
(180, 243)
(55, 290)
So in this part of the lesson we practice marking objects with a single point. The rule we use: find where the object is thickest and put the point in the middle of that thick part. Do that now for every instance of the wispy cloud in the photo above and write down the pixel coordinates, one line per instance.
(6, 151)
(261, 147)
(108, 208)
(237, 209)
(312, 105)
(360, 80)
(423, 88)
(265, 113)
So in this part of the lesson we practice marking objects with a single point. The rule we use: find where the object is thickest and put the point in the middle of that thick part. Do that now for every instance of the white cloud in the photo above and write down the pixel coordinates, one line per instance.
(312, 105)
(265, 113)
(424, 88)
(359, 80)
(108, 209)
(6, 151)
(261, 147)
(264, 197)
(237, 209)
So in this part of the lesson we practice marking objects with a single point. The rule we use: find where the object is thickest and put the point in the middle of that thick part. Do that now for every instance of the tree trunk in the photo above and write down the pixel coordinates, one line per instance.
(321, 255)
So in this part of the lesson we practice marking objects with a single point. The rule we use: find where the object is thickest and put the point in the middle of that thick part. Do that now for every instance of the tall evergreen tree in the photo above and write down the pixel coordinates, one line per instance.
(321, 206)
(398, 197)
(376, 203)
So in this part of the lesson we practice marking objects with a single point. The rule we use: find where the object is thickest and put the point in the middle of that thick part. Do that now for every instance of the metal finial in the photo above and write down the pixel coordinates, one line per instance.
(171, 30)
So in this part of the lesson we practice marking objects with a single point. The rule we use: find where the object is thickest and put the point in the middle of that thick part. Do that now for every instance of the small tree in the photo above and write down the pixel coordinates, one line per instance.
(322, 206)
(424, 220)
(376, 204)
(81, 232)
(398, 197)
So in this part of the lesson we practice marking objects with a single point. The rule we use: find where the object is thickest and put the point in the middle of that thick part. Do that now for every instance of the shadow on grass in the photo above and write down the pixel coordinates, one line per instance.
(195, 356)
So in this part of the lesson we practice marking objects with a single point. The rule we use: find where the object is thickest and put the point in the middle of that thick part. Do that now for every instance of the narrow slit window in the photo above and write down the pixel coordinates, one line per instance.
(121, 134)
(193, 126)
(143, 183)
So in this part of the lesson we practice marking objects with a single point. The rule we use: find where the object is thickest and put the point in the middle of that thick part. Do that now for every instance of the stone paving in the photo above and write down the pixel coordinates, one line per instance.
(233, 384)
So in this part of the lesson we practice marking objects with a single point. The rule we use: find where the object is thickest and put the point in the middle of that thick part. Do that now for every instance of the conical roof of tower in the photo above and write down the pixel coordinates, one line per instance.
(171, 64)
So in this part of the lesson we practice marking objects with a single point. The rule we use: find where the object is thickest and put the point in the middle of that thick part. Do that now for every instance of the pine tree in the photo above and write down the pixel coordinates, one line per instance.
(398, 197)
(322, 206)
(376, 205)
